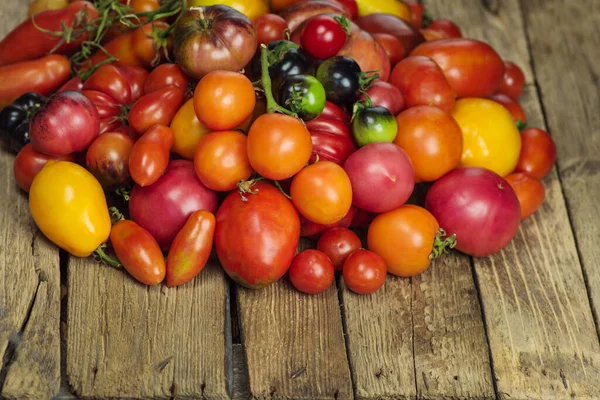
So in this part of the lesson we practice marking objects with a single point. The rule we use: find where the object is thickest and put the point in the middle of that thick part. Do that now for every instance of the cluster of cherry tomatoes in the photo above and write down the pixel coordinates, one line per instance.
(341, 117)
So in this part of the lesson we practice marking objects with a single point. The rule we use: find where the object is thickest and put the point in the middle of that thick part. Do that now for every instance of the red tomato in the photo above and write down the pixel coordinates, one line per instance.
(221, 160)
(121, 48)
(109, 111)
(224, 99)
(511, 105)
(30, 162)
(257, 235)
(108, 159)
(331, 139)
(147, 47)
(278, 146)
(269, 27)
(110, 80)
(333, 111)
(529, 190)
(191, 248)
(392, 45)
(322, 192)
(155, 108)
(311, 229)
(447, 27)
(138, 251)
(351, 6)
(538, 153)
(364, 271)
(165, 75)
(150, 155)
(311, 272)
(323, 36)
(513, 80)
(384, 94)
(136, 77)
(338, 244)
(416, 12)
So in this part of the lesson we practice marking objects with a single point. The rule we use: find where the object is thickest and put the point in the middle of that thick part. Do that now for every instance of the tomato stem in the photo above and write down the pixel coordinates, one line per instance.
(272, 106)
(278, 186)
(245, 187)
(116, 214)
(105, 258)
(441, 244)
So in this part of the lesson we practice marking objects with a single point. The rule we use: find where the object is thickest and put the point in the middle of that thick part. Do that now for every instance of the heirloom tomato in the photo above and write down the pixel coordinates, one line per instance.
(392, 45)
(323, 36)
(107, 159)
(155, 108)
(302, 94)
(269, 27)
(331, 139)
(187, 131)
(166, 75)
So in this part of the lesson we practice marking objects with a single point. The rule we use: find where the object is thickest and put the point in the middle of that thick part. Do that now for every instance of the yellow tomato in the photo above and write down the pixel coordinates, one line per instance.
(250, 8)
(490, 137)
(68, 205)
(394, 7)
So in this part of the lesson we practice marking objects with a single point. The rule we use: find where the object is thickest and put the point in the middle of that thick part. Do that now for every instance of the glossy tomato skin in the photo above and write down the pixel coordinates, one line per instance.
(110, 80)
(166, 75)
(404, 238)
(416, 12)
(107, 159)
(269, 27)
(447, 27)
(256, 239)
(323, 37)
(386, 95)
(331, 140)
(187, 130)
(340, 78)
(392, 45)
(312, 229)
(367, 52)
(338, 244)
(472, 68)
(150, 155)
(333, 111)
(300, 11)
(529, 190)
(312, 95)
(29, 163)
(311, 272)
(155, 108)
(513, 107)
(364, 271)
(136, 77)
(422, 83)
(148, 51)
(538, 153)
(383, 23)
(512, 81)
(351, 6)
(109, 111)
(139, 253)
(191, 248)
(374, 125)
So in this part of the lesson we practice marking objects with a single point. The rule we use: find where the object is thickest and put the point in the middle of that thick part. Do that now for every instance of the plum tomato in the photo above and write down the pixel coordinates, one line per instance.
(150, 155)
(364, 271)
(269, 27)
(340, 76)
(108, 159)
(513, 107)
(30, 162)
(322, 192)
(512, 81)
(187, 131)
(538, 153)
(323, 35)
(447, 27)
(374, 125)
(529, 190)
(338, 244)
(302, 94)
(311, 272)
(155, 108)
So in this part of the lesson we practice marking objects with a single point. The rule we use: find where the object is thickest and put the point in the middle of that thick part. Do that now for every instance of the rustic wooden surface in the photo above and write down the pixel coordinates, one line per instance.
(517, 325)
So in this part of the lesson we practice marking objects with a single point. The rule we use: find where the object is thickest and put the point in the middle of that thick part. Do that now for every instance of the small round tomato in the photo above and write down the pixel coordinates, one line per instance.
(302, 94)
(374, 125)
(432, 139)
(445, 26)
(30, 162)
(513, 80)
(150, 155)
(322, 192)
(340, 76)
(278, 146)
(269, 27)
(223, 100)
(107, 159)
(538, 153)
(529, 190)
(165, 75)
(338, 244)
(513, 106)
(392, 45)
(311, 271)
(324, 36)
(364, 271)
(221, 160)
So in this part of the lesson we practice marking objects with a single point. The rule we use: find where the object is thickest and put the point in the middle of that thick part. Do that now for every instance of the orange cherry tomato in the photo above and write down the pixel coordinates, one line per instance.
(322, 192)
(538, 153)
(224, 99)
(529, 190)
(432, 139)
(150, 155)
(278, 146)
(221, 160)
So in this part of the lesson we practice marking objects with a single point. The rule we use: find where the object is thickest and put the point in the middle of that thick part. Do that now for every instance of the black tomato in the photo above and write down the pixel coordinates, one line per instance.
(14, 120)
(340, 76)
(302, 94)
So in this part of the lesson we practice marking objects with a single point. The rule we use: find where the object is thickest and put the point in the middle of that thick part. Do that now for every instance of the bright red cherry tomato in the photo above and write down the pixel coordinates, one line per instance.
(513, 80)
(311, 271)
(529, 190)
(323, 36)
(538, 153)
(269, 27)
(364, 272)
(338, 244)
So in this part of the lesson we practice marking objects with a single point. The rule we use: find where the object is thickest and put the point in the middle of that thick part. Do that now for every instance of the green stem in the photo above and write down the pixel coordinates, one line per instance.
(272, 105)
(278, 186)
(114, 211)
(105, 258)
(521, 125)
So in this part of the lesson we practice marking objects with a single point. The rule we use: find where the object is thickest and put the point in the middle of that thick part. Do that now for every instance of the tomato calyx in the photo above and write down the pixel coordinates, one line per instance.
(272, 106)
(245, 187)
(441, 244)
(427, 19)
(124, 192)
(344, 23)
(521, 125)
(105, 258)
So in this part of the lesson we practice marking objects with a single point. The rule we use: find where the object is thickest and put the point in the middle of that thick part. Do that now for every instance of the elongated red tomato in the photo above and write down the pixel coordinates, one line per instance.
(150, 155)
(109, 80)
(156, 108)
(191, 248)
(30, 162)
(138, 251)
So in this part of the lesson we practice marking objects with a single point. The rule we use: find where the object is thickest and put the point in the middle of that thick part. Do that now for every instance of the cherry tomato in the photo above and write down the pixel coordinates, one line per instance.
(221, 160)
(416, 12)
(138, 251)
(364, 271)
(386, 95)
(155, 108)
(302, 94)
(338, 244)
(538, 153)
(311, 272)
(392, 45)
(529, 190)
(278, 146)
(107, 159)
(374, 125)
(511, 105)
(30, 162)
(432, 139)
(340, 76)
(447, 27)
(269, 27)
(110, 80)
(147, 47)
(323, 36)
(150, 155)
(322, 192)
(513, 80)
(191, 248)
(165, 75)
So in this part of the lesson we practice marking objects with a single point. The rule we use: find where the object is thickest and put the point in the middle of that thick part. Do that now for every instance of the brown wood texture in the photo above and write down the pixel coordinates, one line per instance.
(565, 48)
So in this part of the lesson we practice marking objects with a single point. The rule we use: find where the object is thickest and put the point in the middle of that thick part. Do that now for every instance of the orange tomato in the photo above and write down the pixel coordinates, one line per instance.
(187, 131)
(529, 190)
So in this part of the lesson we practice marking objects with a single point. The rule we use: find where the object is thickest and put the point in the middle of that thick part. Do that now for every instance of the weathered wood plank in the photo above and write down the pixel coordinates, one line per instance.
(294, 343)
(565, 47)
(129, 340)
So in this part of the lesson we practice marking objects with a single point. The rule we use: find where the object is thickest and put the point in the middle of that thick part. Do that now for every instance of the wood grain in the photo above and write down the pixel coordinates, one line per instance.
(129, 340)
(565, 48)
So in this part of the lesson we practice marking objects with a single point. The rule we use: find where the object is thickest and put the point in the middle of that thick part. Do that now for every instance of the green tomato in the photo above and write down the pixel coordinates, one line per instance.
(302, 94)
(374, 124)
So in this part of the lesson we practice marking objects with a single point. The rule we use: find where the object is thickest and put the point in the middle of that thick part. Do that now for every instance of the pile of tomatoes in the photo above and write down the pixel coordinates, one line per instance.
(159, 132)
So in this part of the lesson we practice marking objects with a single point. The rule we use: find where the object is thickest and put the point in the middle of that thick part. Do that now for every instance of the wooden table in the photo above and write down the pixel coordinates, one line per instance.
(521, 324)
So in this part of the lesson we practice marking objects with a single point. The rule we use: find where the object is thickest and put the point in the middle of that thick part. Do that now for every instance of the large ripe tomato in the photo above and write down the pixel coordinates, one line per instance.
(364, 271)
(529, 190)
(322, 192)
(278, 146)
(311, 272)
(29, 163)
(108, 159)
(432, 139)
(405, 238)
(338, 244)
(538, 153)
(221, 160)
(257, 235)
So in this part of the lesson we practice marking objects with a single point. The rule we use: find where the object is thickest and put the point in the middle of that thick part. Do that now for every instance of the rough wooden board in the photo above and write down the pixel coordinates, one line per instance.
(565, 47)
(294, 342)
(129, 340)
(241, 384)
